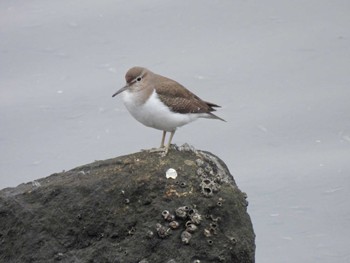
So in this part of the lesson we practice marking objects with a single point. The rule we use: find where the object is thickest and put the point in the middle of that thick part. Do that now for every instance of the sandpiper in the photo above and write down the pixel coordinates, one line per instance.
(162, 103)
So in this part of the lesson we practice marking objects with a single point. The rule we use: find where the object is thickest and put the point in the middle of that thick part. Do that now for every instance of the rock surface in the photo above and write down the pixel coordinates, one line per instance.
(126, 210)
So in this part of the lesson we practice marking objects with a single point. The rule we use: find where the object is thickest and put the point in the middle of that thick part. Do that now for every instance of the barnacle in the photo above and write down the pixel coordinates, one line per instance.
(174, 224)
(190, 227)
(165, 214)
(186, 237)
(168, 216)
(182, 211)
(195, 217)
(162, 231)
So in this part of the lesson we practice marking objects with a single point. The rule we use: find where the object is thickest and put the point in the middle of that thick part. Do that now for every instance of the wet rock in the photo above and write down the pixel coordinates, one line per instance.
(128, 209)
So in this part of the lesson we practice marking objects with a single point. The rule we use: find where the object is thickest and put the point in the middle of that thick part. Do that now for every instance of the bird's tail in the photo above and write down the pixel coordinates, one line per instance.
(213, 116)
(212, 107)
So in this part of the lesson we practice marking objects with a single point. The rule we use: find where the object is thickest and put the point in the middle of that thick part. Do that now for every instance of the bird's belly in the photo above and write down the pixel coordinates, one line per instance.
(153, 113)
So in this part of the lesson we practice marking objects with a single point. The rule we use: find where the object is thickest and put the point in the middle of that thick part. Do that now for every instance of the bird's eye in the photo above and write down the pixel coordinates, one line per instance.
(139, 79)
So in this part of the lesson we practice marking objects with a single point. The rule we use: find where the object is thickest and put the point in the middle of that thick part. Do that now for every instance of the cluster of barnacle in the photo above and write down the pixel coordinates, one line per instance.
(209, 187)
(191, 217)
(212, 228)
(185, 148)
(209, 181)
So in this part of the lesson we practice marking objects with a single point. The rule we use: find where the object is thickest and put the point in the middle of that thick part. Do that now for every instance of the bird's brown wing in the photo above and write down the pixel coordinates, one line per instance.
(181, 100)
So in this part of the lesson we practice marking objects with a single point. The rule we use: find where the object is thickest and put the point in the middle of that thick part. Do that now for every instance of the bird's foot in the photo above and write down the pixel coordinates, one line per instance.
(155, 150)
(162, 150)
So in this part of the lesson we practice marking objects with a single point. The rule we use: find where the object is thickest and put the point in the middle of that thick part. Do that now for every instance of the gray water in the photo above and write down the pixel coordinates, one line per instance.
(279, 69)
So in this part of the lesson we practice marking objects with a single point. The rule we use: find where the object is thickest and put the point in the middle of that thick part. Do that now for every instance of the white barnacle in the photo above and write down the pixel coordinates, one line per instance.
(171, 173)
(181, 212)
(185, 237)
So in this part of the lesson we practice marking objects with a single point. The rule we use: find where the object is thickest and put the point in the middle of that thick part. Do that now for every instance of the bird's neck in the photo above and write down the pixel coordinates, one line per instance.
(137, 97)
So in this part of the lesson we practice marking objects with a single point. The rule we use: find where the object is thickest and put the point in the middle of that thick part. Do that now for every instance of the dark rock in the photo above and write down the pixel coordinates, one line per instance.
(126, 210)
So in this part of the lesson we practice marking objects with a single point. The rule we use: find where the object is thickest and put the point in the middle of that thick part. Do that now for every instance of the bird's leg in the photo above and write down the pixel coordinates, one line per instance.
(169, 143)
(162, 148)
(163, 139)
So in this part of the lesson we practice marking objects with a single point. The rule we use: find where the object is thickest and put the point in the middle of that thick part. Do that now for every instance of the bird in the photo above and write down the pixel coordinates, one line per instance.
(162, 103)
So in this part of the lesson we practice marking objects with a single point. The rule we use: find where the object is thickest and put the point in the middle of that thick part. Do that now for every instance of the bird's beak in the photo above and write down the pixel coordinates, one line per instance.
(121, 90)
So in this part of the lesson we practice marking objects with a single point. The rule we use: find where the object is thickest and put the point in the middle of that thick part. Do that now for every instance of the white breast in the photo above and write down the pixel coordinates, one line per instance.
(153, 113)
